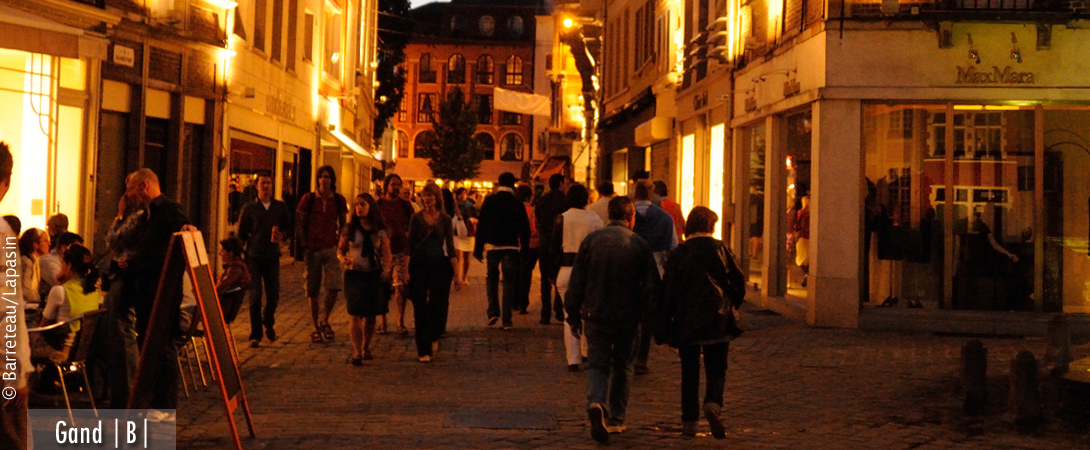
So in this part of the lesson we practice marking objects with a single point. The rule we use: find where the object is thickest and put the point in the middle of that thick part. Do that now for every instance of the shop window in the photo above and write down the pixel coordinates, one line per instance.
(456, 69)
(513, 71)
(485, 70)
(488, 145)
(976, 134)
(484, 108)
(511, 147)
(425, 112)
(424, 147)
(458, 24)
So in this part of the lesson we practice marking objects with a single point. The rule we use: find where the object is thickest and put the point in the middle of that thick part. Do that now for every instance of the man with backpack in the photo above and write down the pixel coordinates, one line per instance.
(321, 215)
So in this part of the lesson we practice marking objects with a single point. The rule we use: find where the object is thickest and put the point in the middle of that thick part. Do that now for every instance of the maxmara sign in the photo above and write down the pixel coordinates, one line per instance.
(1007, 75)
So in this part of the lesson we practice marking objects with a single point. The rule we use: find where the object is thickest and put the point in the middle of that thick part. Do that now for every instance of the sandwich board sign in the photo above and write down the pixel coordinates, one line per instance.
(187, 257)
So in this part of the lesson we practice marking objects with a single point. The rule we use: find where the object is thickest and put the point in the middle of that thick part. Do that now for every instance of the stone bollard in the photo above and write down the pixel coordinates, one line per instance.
(1058, 354)
(1024, 403)
(974, 375)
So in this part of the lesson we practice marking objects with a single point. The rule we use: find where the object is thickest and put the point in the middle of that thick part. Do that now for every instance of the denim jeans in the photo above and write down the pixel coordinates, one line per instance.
(508, 262)
(527, 261)
(610, 353)
(715, 374)
(265, 270)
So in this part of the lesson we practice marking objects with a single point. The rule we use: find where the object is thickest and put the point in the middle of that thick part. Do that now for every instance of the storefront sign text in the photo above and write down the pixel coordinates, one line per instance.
(280, 107)
(970, 75)
(124, 56)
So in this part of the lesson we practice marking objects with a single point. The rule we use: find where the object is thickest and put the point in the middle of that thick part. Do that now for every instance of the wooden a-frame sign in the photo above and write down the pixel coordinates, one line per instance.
(186, 256)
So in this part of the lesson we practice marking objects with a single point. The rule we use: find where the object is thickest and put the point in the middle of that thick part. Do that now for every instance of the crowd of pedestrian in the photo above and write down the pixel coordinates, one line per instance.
(617, 271)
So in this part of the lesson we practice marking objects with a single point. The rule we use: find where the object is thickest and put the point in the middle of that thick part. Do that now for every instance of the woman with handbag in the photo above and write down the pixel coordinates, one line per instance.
(432, 263)
(703, 289)
(364, 249)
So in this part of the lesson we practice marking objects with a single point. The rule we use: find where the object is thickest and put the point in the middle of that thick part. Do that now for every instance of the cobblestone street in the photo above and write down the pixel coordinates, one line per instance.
(788, 386)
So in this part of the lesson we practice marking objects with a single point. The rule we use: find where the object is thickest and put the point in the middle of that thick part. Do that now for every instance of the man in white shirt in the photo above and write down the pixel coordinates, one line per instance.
(601, 207)
(16, 365)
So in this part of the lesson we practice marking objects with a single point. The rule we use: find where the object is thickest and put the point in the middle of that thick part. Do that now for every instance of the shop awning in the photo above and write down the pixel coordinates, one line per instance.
(24, 31)
(350, 143)
(411, 169)
(533, 104)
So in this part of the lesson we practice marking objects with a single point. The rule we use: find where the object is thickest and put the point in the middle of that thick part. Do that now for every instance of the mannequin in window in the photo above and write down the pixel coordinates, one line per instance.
(802, 242)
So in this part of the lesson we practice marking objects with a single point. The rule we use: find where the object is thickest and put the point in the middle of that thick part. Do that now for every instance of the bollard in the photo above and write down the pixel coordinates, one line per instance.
(1024, 403)
(974, 375)
(1058, 353)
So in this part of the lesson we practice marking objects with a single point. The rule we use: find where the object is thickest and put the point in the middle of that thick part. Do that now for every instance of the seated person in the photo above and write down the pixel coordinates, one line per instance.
(76, 293)
(232, 283)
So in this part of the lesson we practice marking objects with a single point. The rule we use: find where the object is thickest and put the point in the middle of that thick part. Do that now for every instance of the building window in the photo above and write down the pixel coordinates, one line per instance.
(426, 74)
(458, 24)
(308, 37)
(456, 69)
(484, 109)
(261, 15)
(293, 32)
(488, 145)
(425, 145)
(510, 118)
(511, 147)
(644, 35)
(976, 134)
(425, 108)
(514, 71)
(276, 49)
(485, 69)
(487, 25)
(402, 144)
(403, 109)
(515, 26)
(333, 42)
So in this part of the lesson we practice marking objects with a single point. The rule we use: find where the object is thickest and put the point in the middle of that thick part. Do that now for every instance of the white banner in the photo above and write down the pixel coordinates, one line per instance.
(538, 105)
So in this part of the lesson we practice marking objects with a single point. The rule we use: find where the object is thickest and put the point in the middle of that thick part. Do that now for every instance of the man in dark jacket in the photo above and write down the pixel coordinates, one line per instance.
(503, 231)
(143, 270)
(550, 205)
(612, 289)
(260, 228)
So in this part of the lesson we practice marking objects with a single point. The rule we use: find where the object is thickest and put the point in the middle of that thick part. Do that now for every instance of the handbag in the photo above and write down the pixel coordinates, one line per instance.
(459, 226)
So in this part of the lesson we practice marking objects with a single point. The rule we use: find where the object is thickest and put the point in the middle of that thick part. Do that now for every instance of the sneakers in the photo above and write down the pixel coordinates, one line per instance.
(711, 412)
(508, 327)
(616, 428)
(492, 321)
(425, 359)
(597, 417)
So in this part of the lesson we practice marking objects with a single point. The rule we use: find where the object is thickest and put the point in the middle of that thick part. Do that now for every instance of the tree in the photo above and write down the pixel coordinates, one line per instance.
(394, 30)
(457, 154)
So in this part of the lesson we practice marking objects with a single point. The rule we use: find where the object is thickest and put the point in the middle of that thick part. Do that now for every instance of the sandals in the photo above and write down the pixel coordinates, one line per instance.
(327, 331)
(316, 337)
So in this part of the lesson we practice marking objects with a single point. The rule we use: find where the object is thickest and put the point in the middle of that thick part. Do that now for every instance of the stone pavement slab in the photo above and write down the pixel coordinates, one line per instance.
(788, 386)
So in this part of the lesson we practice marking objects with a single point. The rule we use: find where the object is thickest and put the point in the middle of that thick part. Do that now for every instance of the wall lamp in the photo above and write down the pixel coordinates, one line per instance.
(973, 54)
(1015, 53)
(764, 76)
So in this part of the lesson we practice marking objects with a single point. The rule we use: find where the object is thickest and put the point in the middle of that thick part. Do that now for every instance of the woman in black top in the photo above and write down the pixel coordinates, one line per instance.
(364, 250)
(703, 288)
(431, 268)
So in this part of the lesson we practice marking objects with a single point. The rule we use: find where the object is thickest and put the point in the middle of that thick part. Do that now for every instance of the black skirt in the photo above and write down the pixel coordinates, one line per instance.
(365, 294)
